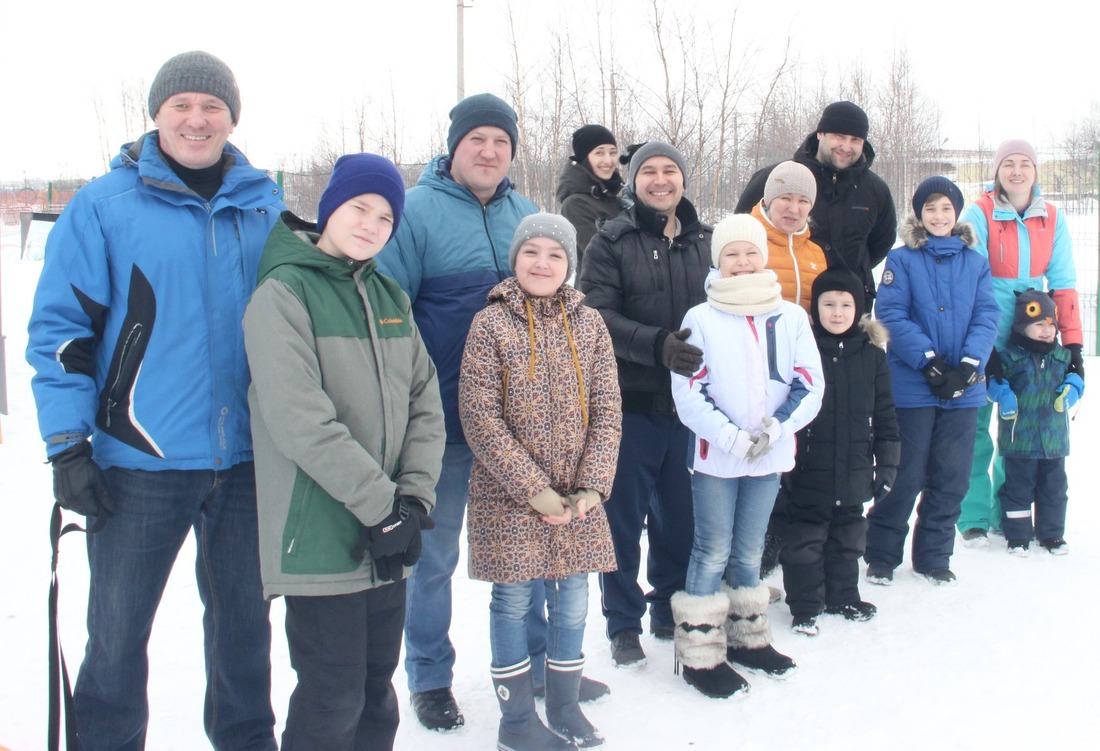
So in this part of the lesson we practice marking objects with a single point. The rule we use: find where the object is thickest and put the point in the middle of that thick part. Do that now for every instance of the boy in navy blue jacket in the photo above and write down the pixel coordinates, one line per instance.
(847, 454)
(936, 300)
(1034, 397)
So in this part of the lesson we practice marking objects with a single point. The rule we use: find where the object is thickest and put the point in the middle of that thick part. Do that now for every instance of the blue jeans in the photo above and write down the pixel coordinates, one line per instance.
(429, 653)
(652, 491)
(937, 450)
(567, 604)
(731, 517)
(130, 560)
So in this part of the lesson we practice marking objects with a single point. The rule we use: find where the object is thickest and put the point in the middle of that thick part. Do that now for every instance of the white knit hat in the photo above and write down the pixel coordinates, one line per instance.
(738, 227)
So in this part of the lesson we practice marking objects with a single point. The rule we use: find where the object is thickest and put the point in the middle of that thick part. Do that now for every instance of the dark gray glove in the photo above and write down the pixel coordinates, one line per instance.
(884, 481)
(78, 482)
(395, 542)
(679, 356)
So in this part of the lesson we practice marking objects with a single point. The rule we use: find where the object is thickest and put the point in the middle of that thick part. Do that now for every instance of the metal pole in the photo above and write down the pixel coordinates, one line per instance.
(461, 54)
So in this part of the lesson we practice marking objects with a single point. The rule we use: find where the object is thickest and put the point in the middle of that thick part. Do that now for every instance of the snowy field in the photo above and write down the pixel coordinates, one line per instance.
(1005, 659)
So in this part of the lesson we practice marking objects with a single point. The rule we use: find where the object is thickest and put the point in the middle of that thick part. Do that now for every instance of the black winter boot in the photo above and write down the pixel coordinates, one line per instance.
(700, 644)
(520, 726)
(563, 713)
(769, 561)
(749, 634)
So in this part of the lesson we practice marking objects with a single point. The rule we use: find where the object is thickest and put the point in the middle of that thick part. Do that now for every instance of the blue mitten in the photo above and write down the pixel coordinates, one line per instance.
(1000, 393)
(1069, 392)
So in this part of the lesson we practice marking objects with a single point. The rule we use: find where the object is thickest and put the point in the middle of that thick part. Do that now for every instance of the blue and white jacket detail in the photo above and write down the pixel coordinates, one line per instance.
(447, 255)
(754, 367)
(936, 298)
(135, 334)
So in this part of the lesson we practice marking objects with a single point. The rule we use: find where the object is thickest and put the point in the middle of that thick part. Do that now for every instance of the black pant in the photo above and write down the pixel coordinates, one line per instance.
(821, 555)
(1039, 481)
(344, 649)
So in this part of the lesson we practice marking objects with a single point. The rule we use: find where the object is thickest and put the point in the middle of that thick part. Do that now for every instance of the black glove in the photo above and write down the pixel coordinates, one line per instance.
(679, 356)
(1076, 361)
(78, 482)
(884, 481)
(935, 372)
(958, 381)
(993, 368)
(395, 541)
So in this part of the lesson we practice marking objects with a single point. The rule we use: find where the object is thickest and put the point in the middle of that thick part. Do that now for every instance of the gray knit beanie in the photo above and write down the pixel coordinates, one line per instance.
(195, 71)
(649, 150)
(480, 110)
(556, 227)
(790, 177)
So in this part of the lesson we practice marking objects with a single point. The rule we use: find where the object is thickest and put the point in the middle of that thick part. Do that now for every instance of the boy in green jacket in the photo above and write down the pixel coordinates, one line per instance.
(348, 430)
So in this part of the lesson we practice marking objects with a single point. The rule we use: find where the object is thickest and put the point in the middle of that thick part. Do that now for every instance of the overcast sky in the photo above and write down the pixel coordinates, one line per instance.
(999, 70)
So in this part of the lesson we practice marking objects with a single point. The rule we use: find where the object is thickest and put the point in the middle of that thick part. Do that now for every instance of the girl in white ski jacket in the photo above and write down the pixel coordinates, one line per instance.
(760, 382)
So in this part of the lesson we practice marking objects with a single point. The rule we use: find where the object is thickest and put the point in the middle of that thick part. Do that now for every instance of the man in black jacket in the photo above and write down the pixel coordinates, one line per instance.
(853, 219)
(643, 271)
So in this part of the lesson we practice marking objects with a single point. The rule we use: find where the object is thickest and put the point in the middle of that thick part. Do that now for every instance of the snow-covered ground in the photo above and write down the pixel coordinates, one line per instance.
(1007, 658)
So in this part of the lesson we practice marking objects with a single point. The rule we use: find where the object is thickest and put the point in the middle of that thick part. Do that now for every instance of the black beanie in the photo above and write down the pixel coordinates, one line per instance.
(588, 137)
(836, 280)
(844, 118)
(478, 110)
(930, 186)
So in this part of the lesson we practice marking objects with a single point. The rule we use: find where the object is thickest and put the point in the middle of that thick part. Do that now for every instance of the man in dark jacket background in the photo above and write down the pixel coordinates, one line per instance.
(853, 219)
(643, 270)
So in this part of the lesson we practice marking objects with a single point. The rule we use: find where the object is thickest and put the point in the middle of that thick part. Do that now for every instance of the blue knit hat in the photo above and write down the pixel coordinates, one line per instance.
(937, 184)
(356, 174)
(478, 110)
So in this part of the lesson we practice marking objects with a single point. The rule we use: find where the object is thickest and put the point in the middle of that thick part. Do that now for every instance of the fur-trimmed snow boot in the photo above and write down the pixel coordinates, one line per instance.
(520, 726)
(563, 713)
(749, 633)
(700, 642)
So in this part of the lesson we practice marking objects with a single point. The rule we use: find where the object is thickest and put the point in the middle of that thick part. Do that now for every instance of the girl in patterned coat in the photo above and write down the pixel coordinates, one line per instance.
(539, 402)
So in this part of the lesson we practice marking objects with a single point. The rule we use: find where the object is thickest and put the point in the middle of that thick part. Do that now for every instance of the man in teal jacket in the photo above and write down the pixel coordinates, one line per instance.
(450, 250)
(141, 384)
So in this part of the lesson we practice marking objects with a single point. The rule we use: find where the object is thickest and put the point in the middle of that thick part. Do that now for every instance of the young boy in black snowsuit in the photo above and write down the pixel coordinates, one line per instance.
(847, 454)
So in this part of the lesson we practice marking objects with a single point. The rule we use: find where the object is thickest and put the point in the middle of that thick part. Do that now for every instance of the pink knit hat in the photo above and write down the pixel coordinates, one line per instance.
(1010, 147)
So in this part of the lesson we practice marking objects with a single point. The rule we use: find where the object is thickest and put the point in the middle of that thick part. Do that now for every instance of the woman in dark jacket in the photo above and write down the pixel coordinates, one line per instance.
(589, 184)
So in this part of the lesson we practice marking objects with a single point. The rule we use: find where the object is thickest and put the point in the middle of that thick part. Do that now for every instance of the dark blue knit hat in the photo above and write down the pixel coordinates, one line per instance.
(356, 174)
(478, 110)
(937, 184)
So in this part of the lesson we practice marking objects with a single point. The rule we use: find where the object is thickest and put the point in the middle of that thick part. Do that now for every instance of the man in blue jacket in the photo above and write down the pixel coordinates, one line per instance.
(450, 250)
(141, 385)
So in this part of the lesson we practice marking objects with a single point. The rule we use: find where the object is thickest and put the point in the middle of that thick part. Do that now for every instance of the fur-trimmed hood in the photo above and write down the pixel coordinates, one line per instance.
(915, 236)
(875, 331)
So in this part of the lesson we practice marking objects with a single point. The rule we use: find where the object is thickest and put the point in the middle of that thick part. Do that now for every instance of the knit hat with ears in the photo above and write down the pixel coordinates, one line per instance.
(790, 177)
(556, 227)
(1032, 306)
(195, 71)
(588, 137)
(738, 227)
(1010, 147)
(933, 185)
(478, 110)
(356, 174)
(844, 118)
(647, 151)
(836, 279)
